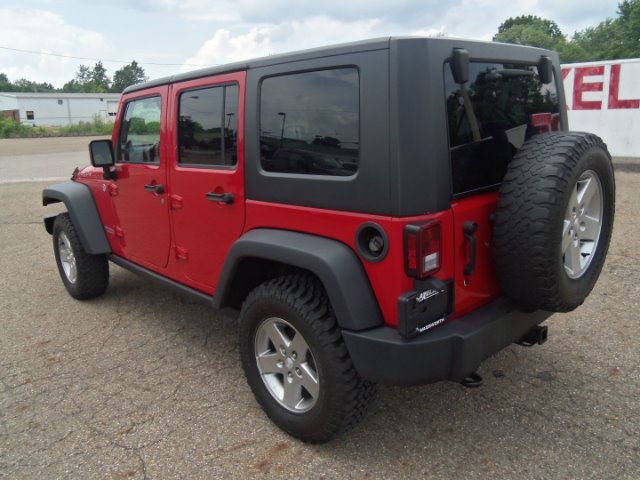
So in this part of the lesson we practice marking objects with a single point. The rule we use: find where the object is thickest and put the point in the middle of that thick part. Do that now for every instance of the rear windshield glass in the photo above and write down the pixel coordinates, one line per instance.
(490, 117)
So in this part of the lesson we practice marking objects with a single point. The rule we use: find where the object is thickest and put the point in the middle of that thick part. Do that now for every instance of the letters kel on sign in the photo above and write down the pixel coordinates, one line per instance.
(594, 83)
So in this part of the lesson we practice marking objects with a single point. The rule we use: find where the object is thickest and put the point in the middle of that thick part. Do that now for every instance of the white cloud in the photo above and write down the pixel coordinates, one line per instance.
(44, 31)
(322, 30)
(226, 48)
(346, 11)
(430, 32)
(259, 41)
(222, 31)
(197, 10)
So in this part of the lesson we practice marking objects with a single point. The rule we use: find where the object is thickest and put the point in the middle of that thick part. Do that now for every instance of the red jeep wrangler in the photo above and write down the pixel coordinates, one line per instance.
(395, 211)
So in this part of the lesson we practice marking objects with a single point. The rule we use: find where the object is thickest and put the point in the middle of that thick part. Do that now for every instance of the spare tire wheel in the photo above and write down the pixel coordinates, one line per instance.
(554, 220)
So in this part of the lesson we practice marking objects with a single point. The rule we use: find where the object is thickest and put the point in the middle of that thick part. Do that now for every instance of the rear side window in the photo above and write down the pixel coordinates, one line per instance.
(490, 117)
(208, 127)
(139, 140)
(310, 123)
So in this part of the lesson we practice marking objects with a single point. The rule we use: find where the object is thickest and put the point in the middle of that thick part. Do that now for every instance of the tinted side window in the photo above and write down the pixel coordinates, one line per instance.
(310, 123)
(139, 140)
(490, 118)
(208, 126)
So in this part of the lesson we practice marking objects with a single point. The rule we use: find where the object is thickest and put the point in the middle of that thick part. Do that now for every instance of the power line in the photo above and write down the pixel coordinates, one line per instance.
(107, 60)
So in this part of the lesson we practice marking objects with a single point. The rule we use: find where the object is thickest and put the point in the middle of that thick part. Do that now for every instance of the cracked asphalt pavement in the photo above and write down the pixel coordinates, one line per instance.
(143, 384)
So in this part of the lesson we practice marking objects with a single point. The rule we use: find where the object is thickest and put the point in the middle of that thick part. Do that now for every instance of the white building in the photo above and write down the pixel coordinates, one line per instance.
(56, 109)
(604, 98)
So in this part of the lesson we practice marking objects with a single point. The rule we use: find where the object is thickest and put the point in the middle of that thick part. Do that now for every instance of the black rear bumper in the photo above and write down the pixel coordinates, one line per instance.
(449, 352)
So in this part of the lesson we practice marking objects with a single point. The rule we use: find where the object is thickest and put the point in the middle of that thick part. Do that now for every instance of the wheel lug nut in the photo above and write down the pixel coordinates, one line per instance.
(294, 355)
(298, 372)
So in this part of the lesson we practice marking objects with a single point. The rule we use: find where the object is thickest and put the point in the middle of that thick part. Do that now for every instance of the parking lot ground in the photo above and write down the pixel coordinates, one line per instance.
(31, 159)
(143, 384)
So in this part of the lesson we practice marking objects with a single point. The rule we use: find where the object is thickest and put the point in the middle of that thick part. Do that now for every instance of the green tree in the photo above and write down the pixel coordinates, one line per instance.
(84, 75)
(89, 80)
(628, 23)
(79, 83)
(23, 85)
(5, 84)
(100, 81)
(613, 38)
(530, 30)
(128, 75)
(572, 52)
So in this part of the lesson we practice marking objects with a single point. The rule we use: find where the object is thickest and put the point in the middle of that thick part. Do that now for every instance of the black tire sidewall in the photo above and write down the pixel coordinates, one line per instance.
(574, 291)
(92, 270)
(303, 424)
(530, 215)
(61, 225)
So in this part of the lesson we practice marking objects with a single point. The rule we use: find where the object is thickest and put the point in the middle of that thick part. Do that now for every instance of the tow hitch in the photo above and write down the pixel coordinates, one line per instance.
(536, 336)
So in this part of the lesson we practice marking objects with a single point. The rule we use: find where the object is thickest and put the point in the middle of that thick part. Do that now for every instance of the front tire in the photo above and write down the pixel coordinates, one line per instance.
(296, 362)
(84, 276)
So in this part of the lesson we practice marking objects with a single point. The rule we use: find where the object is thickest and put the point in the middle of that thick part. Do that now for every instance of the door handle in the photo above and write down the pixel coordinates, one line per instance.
(226, 198)
(469, 230)
(154, 188)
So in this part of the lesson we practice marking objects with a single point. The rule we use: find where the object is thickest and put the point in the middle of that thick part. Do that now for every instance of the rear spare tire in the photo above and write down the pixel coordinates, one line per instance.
(554, 220)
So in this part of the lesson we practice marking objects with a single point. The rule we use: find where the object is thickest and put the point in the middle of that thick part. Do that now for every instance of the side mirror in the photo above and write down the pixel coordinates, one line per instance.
(545, 70)
(101, 152)
(460, 65)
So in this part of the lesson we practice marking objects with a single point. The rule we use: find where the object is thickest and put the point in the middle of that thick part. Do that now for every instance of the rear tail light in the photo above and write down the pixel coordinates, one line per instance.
(422, 249)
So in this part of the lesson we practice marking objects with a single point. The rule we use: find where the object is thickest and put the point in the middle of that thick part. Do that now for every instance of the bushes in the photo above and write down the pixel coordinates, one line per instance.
(9, 128)
(96, 127)
(139, 126)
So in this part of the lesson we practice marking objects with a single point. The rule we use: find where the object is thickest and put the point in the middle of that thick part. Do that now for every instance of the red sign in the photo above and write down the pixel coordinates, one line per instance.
(590, 79)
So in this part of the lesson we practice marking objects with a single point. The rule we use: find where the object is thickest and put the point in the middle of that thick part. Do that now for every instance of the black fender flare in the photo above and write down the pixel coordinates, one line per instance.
(83, 212)
(334, 263)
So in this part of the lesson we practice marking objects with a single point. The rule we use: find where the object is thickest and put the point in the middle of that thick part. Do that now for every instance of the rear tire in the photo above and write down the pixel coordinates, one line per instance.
(84, 276)
(554, 220)
(296, 362)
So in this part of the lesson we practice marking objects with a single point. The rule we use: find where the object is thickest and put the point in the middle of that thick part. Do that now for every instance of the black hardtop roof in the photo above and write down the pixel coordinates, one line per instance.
(495, 49)
(373, 44)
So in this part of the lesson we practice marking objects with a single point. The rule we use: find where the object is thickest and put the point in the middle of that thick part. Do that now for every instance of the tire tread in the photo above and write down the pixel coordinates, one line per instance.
(525, 230)
(306, 295)
(93, 270)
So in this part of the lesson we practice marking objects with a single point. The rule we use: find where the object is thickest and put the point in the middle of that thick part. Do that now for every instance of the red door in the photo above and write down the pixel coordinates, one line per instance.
(206, 175)
(475, 278)
(139, 192)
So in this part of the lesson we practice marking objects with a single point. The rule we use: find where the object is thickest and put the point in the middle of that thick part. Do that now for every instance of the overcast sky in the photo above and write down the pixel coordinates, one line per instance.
(186, 33)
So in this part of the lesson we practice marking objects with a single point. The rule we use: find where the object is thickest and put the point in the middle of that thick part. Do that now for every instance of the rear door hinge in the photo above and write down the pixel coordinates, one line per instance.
(118, 231)
(175, 201)
(113, 189)
(469, 230)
